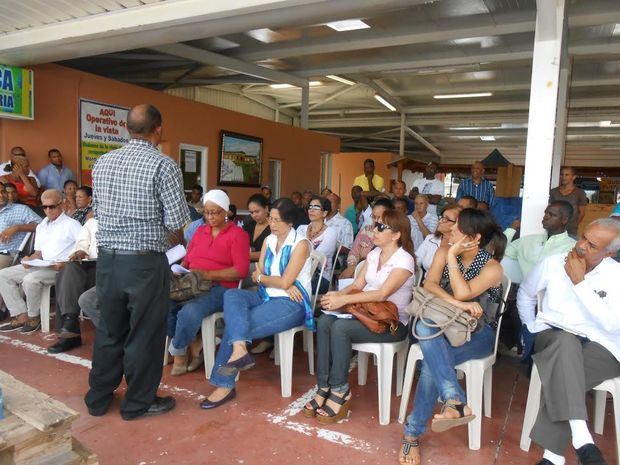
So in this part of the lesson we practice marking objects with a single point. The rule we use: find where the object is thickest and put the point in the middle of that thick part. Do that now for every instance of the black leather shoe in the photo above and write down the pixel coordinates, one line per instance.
(232, 368)
(70, 326)
(159, 406)
(544, 462)
(65, 344)
(208, 405)
(590, 455)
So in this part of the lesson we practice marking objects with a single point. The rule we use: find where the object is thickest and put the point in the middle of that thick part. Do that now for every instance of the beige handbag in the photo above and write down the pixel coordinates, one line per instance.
(455, 324)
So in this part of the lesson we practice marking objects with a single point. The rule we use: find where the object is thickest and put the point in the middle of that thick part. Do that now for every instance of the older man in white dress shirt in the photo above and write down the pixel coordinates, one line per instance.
(340, 223)
(578, 337)
(54, 238)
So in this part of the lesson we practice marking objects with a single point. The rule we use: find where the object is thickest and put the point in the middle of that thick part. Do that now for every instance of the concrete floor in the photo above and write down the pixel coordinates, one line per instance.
(260, 427)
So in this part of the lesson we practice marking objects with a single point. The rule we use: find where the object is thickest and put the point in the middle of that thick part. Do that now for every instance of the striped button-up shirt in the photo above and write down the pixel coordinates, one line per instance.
(482, 192)
(138, 198)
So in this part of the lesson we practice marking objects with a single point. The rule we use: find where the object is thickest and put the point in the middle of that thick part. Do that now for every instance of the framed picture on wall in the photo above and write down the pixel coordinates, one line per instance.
(240, 160)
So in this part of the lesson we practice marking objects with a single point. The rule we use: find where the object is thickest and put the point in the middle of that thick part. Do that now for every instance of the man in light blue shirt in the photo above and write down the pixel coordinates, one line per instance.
(54, 175)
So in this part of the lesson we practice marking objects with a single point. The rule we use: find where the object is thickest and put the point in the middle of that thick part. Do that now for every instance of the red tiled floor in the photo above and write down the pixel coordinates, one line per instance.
(246, 431)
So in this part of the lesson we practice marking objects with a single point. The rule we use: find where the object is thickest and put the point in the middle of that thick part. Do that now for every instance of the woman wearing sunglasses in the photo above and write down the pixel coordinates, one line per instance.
(468, 275)
(426, 252)
(323, 238)
(363, 241)
(387, 275)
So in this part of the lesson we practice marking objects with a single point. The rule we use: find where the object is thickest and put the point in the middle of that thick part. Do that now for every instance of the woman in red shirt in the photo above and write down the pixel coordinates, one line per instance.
(221, 252)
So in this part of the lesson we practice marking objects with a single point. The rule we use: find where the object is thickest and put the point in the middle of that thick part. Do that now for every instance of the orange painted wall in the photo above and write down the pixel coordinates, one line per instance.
(346, 166)
(57, 93)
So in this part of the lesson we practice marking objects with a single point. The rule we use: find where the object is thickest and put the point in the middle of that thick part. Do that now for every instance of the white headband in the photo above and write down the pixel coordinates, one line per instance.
(218, 197)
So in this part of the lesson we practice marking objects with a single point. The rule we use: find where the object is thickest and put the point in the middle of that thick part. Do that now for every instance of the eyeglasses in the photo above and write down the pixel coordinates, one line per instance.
(274, 220)
(381, 227)
(213, 213)
(444, 219)
(49, 207)
(315, 207)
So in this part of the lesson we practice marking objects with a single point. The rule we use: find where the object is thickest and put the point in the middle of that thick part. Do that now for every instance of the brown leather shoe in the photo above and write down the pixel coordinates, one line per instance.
(13, 325)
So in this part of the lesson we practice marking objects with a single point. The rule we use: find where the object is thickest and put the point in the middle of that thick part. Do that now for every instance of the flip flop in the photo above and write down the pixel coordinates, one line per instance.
(408, 445)
(439, 425)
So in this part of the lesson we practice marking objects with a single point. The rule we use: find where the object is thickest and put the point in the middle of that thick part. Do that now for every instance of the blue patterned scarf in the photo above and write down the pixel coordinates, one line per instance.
(285, 257)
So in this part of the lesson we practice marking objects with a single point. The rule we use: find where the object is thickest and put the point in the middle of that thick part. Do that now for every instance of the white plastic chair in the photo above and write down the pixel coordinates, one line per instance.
(284, 341)
(600, 399)
(45, 307)
(384, 355)
(478, 378)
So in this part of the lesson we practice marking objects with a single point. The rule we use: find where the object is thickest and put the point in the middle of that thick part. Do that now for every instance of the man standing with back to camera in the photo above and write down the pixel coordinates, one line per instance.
(138, 199)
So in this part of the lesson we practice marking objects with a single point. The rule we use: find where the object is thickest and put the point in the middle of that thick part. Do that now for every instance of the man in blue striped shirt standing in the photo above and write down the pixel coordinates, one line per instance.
(477, 186)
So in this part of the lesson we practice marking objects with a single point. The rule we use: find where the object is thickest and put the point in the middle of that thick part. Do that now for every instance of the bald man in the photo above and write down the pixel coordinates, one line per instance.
(477, 186)
(138, 197)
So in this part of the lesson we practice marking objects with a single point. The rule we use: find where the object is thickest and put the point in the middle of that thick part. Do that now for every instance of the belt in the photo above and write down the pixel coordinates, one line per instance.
(127, 252)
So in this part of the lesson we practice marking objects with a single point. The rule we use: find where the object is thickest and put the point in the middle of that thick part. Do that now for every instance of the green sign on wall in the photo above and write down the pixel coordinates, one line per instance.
(16, 93)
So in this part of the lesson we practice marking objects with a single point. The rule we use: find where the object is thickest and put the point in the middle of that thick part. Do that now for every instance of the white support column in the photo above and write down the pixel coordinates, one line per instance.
(401, 147)
(550, 19)
(561, 119)
(305, 102)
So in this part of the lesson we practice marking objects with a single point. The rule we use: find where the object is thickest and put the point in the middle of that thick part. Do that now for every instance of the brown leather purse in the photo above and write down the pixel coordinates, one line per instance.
(376, 316)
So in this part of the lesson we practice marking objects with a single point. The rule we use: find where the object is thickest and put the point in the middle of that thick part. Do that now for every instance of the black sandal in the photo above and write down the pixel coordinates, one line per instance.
(408, 445)
(439, 425)
(333, 417)
(311, 412)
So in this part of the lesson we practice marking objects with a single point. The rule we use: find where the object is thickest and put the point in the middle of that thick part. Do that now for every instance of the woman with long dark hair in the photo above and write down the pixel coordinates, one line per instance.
(386, 275)
(468, 275)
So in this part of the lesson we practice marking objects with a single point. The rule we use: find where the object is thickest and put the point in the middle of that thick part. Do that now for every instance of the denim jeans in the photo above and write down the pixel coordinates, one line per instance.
(335, 337)
(247, 317)
(185, 318)
(438, 374)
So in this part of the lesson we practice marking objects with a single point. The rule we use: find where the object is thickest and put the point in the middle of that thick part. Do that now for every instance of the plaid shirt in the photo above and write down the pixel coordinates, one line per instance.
(138, 198)
(11, 215)
(482, 192)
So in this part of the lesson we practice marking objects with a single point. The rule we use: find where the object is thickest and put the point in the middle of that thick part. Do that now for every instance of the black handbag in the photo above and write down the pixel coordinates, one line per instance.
(188, 286)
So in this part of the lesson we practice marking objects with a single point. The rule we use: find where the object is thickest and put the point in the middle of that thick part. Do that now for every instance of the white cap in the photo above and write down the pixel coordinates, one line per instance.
(218, 197)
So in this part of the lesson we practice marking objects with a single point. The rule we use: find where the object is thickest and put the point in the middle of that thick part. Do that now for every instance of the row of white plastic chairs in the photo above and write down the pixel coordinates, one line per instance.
(478, 373)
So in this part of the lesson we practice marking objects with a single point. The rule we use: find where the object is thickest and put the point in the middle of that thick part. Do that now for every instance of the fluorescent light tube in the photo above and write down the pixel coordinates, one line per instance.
(385, 102)
(476, 94)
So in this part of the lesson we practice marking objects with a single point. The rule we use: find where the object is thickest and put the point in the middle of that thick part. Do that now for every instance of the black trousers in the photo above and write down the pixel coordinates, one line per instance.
(71, 282)
(133, 295)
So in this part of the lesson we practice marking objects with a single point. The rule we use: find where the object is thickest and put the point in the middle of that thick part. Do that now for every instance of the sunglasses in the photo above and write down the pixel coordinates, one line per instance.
(315, 207)
(444, 219)
(381, 227)
(49, 207)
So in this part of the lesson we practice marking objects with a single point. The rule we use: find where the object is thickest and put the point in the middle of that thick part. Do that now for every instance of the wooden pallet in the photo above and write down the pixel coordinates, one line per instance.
(36, 429)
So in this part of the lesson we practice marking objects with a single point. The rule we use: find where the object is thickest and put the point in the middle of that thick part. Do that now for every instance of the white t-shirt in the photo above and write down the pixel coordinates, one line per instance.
(304, 277)
(325, 243)
(375, 278)
(56, 239)
(430, 187)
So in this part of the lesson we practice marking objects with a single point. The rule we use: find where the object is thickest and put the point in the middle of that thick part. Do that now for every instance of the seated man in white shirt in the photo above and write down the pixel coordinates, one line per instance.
(578, 337)
(340, 223)
(422, 219)
(73, 279)
(54, 238)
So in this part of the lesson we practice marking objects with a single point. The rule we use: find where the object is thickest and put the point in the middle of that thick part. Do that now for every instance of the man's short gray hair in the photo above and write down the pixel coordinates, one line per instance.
(612, 225)
(52, 194)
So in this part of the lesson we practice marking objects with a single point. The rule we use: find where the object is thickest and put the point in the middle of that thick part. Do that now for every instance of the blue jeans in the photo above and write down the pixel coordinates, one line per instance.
(438, 374)
(185, 318)
(247, 317)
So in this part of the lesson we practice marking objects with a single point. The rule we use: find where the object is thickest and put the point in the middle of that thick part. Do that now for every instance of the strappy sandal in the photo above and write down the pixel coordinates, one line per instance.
(311, 412)
(439, 425)
(408, 446)
(333, 417)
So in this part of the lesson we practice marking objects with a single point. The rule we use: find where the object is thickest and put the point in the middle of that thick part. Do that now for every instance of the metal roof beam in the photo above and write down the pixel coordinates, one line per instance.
(423, 141)
(232, 64)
